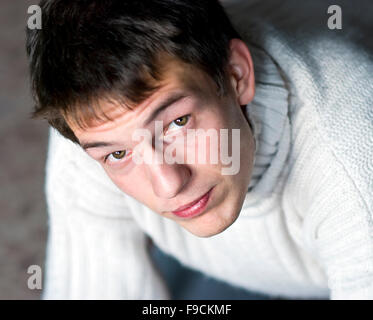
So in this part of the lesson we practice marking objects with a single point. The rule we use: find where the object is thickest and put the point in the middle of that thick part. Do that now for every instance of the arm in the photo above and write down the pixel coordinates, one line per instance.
(343, 235)
(95, 250)
(337, 224)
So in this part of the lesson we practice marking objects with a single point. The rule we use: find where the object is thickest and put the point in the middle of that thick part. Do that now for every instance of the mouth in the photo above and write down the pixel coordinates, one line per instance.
(193, 208)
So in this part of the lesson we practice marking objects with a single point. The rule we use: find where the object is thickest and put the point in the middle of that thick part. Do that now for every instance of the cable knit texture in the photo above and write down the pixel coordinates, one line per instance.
(305, 229)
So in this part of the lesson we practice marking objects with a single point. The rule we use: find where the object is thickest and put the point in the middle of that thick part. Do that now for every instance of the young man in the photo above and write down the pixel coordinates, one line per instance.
(284, 207)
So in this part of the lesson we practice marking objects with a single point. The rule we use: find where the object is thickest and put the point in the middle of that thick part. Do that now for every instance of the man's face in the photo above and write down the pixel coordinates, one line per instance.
(194, 194)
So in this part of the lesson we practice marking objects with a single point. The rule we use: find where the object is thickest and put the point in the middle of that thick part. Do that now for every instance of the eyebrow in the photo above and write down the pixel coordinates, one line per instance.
(98, 144)
(167, 102)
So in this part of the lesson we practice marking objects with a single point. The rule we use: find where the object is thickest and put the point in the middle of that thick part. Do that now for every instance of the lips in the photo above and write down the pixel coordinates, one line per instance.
(193, 208)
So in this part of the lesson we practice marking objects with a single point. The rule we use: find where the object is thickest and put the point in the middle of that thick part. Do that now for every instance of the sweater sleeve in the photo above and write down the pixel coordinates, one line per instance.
(337, 223)
(95, 250)
(342, 234)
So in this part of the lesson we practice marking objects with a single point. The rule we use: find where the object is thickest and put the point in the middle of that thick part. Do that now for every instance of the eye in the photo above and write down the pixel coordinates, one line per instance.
(116, 156)
(179, 122)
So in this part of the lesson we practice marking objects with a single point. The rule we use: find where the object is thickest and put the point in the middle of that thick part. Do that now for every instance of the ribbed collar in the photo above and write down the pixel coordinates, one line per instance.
(268, 113)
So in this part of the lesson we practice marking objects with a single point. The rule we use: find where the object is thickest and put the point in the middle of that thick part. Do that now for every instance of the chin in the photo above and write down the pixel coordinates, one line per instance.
(210, 224)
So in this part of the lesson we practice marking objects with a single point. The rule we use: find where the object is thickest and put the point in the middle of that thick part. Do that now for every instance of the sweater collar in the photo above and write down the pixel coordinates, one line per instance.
(268, 114)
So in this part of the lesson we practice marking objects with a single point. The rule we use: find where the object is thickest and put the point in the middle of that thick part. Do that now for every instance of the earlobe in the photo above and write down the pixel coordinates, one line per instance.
(241, 71)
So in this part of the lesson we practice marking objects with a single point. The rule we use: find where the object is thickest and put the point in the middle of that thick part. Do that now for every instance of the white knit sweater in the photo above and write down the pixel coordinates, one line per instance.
(305, 229)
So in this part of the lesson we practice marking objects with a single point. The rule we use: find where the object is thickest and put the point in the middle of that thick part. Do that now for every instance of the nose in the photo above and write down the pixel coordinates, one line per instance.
(166, 179)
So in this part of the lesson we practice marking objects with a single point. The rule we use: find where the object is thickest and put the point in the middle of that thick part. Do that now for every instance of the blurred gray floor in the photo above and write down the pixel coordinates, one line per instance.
(187, 284)
(22, 159)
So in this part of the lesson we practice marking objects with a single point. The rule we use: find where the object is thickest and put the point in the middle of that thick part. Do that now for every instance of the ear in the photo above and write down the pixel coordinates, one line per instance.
(241, 72)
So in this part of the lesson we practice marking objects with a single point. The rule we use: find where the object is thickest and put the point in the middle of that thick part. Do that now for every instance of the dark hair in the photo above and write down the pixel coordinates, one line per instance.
(93, 49)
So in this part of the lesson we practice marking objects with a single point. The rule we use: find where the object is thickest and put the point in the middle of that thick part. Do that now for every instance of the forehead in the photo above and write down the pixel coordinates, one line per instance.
(176, 76)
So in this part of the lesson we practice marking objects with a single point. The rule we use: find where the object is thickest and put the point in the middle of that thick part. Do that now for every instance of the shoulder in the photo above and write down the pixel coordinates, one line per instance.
(330, 77)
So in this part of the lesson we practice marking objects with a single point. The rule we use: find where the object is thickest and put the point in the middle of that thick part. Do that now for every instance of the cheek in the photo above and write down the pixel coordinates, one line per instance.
(247, 158)
(208, 142)
(125, 182)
